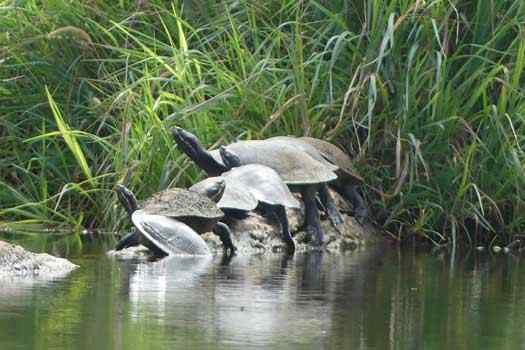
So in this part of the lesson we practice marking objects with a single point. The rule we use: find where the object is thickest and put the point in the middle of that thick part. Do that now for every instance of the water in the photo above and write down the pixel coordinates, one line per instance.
(378, 298)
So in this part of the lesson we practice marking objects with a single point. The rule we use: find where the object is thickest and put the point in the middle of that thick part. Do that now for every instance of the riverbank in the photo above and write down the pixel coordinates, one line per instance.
(426, 97)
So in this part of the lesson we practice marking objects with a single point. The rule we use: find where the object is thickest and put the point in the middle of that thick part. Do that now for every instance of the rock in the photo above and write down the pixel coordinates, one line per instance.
(256, 234)
(139, 252)
(259, 234)
(15, 261)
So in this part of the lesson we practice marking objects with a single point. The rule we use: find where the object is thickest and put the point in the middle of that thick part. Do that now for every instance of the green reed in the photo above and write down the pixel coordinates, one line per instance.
(427, 96)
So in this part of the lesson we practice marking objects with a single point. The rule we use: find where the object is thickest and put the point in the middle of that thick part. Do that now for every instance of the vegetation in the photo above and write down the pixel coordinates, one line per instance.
(427, 95)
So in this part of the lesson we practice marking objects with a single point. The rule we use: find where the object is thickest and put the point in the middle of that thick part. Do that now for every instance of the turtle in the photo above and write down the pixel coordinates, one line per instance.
(187, 212)
(348, 179)
(164, 235)
(211, 162)
(253, 186)
(298, 170)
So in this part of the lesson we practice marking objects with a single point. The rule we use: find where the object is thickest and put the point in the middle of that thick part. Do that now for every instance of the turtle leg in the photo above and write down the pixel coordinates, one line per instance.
(280, 212)
(320, 204)
(313, 224)
(223, 231)
(329, 203)
(130, 240)
(226, 259)
(358, 203)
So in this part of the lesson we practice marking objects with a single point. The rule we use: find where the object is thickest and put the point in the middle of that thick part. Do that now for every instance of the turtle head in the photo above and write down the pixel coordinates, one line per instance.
(229, 158)
(188, 142)
(126, 198)
(216, 190)
(193, 148)
(212, 187)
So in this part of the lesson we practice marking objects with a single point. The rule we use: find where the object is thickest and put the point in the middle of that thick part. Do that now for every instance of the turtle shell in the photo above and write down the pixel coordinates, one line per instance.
(248, 185)
(234, 197)
(294, 166)
(334, 155)
(169, 235)
(179, 202)
(261, 182)
(301, 145)
(323, 151)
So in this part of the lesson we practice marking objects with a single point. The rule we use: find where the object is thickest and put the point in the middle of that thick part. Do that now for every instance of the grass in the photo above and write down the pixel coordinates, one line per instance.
(426, 95)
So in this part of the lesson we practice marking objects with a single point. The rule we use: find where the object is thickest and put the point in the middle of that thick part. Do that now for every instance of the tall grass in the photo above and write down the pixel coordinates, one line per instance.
(427, 96)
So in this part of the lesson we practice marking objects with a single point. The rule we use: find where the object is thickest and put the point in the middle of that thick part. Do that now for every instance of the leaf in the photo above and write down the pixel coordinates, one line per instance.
(69, 137)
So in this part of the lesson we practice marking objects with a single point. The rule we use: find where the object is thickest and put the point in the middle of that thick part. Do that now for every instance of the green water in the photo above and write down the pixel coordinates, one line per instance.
(378, 298)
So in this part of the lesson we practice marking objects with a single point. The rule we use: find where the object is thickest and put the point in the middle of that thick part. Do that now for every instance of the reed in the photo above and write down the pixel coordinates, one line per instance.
(427, 96)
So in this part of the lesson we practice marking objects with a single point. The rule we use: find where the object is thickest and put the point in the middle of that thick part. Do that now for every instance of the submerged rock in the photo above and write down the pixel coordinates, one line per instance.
(15, 261)
(139, 252)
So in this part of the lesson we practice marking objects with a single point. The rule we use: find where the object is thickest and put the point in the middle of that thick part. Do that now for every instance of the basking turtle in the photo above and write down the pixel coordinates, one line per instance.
(296, 168)
(166, 236)
(251, 186)
(348, 179)
(211, 162)
(185, 212)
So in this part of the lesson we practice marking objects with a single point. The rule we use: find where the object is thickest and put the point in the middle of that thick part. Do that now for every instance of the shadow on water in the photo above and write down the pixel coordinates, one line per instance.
(378, 298)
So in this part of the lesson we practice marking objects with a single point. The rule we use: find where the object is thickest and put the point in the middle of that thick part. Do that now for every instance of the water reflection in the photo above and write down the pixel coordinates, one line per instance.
(379, 298)
(169, 284)
(263, 308)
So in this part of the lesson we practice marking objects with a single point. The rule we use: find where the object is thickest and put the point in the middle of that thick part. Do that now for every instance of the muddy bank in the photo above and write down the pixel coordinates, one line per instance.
(260, 234)
(15, 261)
